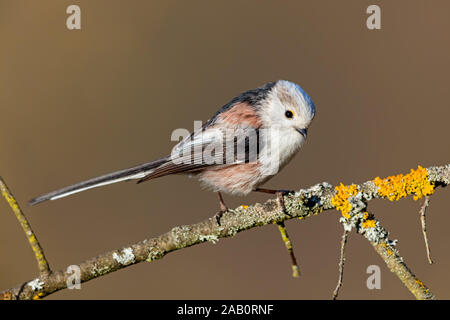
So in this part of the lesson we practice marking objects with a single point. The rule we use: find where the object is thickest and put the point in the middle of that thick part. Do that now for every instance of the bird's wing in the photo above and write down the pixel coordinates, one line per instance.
(230, 137)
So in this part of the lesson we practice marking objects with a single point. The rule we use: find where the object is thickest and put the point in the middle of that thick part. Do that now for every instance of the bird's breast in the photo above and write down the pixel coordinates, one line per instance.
(238, 179)
(281, 147)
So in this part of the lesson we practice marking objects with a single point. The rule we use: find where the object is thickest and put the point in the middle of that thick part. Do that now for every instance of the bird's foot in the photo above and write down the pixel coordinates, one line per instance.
(280, 195)
(223, 208)
(219, 216)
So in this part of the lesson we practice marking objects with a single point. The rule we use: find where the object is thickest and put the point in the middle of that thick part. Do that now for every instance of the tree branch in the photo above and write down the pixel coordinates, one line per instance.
(423, 222)
(302, 204)
(44, 268)
(287, 242)
(341, 264)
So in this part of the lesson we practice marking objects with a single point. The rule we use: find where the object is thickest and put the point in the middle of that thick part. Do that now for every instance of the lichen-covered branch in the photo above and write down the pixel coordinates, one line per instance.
(391, 256)
(287, 242)
(341, 263)
(301, 204)
(423, 222)
(43, 265)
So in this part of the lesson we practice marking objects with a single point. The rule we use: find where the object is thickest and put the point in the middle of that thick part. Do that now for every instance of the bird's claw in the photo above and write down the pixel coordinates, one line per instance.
(280, 195)
(219, 216)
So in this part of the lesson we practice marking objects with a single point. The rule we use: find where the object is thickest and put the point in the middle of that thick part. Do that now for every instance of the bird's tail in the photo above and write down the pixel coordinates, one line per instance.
(137, 172)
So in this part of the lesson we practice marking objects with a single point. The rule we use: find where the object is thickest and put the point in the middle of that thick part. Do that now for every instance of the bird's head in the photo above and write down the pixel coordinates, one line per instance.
(287, 107)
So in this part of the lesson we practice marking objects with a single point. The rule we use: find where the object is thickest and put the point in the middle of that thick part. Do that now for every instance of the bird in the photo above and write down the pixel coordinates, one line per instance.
(243, 145)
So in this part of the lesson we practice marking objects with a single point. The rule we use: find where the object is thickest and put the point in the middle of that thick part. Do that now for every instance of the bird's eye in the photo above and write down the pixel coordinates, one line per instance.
(289, 114)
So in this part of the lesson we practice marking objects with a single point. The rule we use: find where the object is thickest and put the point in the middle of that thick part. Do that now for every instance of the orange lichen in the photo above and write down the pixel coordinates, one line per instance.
(38, 296)
(369, 224)
(420, 283)
(368, 221)
(396, 187)
(386, 246)
(340, 200)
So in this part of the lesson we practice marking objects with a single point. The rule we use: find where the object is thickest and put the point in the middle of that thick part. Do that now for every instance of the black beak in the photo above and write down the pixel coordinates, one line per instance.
(303, 132)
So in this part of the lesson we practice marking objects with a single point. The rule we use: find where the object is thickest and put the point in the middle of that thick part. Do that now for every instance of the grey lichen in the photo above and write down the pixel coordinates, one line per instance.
(209, 237)
(369, 190)
(440, 174)
(311, 201)
(358, 202)
(181, 235)
(375, 234)
(232, 231)
(125, 258)
(356, 213)
(99, 270)
(36, 284)
(154, 254)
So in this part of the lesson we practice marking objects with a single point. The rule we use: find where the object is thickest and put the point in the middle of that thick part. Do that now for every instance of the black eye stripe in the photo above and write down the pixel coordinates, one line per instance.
(289, 114)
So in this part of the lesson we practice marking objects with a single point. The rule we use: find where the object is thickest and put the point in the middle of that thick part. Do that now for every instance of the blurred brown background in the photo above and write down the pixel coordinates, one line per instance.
(76, 104)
